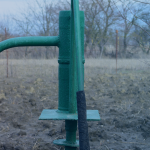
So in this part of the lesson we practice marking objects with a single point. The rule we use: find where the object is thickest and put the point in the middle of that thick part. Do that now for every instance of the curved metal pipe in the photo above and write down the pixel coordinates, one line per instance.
(29, 41)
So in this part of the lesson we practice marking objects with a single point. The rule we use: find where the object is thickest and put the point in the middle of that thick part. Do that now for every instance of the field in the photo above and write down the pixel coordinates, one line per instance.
(122, 99)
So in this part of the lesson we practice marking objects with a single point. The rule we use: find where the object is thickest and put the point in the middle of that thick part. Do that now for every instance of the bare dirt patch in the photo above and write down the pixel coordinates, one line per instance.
(122, 100)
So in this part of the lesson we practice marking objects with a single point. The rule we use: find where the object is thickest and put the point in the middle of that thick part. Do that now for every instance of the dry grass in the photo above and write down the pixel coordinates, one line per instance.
(104, 63)
(121, 63)
(28, 67)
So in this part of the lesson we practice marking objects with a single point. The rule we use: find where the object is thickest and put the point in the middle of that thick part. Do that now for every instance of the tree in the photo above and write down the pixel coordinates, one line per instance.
(7, 23)
(141, 35)
(99, 17)
(127, 13)
(104, 24)
(40, 19)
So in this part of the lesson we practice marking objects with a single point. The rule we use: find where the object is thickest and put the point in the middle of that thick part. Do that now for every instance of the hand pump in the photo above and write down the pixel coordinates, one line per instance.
(71, 96)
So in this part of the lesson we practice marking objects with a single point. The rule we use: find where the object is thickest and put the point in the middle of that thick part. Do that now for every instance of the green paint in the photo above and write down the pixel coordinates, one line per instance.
(70, 143)
(62, 142)
(73, 65)
(71, 128)
(29, 41)
(76, 20)
(64, 60)
(53, 114)
(68, 71)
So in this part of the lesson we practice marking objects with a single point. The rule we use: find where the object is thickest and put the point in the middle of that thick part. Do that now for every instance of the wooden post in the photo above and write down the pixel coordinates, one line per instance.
(116, 48)
(6, 52)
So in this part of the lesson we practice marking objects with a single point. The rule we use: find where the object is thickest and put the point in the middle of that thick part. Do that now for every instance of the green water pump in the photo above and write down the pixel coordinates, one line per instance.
(71, 49)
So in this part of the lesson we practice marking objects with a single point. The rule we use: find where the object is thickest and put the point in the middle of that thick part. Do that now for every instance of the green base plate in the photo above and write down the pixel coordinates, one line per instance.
(63, 142)
(54, 114)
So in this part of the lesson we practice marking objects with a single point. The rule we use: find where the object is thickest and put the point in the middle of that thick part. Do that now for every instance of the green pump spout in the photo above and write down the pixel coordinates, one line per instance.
(29, 41)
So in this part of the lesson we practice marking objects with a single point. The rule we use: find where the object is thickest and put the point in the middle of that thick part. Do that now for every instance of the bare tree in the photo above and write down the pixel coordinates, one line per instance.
(127, 12)
(107, 19)
(99, 17)
(40, 19)
(142, 38)
(6, 22)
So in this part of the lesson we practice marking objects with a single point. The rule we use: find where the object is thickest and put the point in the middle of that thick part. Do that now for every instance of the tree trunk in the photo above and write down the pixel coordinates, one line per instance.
(47, 53)
(101, 51)
(26, 52)
(91, 49)
(124, 47)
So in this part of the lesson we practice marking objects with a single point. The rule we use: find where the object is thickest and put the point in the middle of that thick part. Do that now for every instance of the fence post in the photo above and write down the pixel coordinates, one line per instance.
(6, 52)
(116, 48)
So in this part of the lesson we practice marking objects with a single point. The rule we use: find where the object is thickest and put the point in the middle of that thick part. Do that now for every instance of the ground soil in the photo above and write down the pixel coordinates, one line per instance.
(122, 100)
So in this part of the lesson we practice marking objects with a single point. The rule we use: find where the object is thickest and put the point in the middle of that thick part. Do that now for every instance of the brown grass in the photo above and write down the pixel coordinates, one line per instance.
(27, 67)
